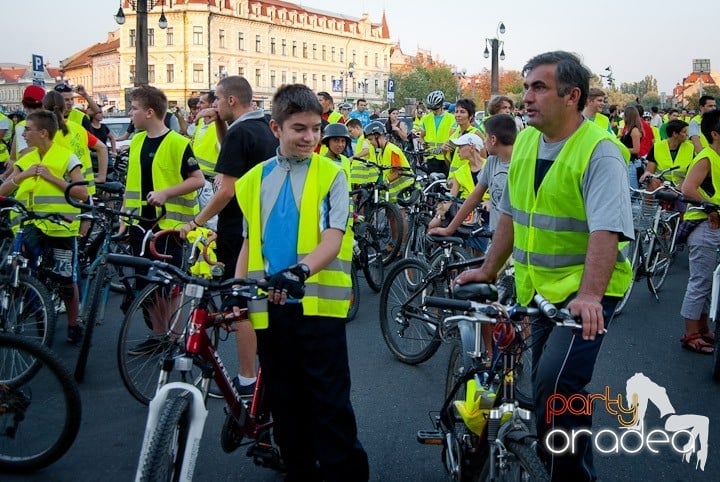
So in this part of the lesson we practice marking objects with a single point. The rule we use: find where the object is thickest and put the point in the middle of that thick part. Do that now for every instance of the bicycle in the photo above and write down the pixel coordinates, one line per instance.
(411, 331)
(40, 407)
(177, 412)
(95, 282)
(368, 258)
(26, 304)
(486, 425)
(420, 204)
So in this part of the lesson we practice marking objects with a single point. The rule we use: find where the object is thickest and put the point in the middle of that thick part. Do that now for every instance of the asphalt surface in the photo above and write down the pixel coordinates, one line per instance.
(392, 401)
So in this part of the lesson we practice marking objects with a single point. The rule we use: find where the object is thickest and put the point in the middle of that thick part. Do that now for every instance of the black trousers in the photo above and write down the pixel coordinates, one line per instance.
(307, 384)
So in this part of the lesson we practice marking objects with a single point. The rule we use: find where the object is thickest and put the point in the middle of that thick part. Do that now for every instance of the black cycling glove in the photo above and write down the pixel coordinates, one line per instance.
(235, 299)
(291, 280)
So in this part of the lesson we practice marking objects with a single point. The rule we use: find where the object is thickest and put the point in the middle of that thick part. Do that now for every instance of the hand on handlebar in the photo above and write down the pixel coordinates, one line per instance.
(235, 302)
(590, 311)
(156, 198)
(470, 276)
(286, 283)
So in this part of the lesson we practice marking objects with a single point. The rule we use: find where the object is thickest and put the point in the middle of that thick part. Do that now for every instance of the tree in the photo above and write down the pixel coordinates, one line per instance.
(693, 102)
(419, 82)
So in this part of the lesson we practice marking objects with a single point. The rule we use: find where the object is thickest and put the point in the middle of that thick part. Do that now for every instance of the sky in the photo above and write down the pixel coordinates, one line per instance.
(667, 36)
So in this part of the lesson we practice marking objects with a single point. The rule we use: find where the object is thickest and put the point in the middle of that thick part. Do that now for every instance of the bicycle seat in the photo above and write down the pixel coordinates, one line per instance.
(436, 176)
(445, 239)
(481, 292)
(112, 187)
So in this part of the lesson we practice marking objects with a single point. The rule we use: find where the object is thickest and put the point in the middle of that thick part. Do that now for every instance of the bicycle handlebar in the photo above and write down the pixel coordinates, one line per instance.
(112, 188)
(12, 204)
(671, 196)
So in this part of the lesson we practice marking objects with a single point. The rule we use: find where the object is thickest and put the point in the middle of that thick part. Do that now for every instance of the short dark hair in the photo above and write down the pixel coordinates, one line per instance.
(704, 100)
(673, 111)
(292, 99)
(238, 86)
(710, 123)
(360, 100)
(654, 109)
(44, 119)
(501, 126)
(354, 123)
(150, 97)
(675, 126)
(468, 105)
(326, 96)
(570, 73)
(193, 102)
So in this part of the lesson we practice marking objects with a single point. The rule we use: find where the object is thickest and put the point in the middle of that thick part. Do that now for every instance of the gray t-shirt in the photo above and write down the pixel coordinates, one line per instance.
(494, 177)
(605, 188)
(693, 128)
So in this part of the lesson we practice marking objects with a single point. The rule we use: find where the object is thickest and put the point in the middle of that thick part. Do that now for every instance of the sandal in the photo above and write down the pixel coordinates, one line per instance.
(697, 344)
(708, 336)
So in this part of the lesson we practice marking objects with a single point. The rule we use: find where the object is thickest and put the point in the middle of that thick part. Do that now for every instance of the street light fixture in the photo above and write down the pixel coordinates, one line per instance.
(141, 46)
(496, 45)
(608, 76)
(347, 75)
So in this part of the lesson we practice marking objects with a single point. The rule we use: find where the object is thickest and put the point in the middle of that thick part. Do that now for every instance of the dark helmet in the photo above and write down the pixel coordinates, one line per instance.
(375, 127)
(335, 130)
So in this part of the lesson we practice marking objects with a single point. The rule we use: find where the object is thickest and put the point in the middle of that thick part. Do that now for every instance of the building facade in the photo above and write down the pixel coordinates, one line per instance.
(268, 42)
(14, 78)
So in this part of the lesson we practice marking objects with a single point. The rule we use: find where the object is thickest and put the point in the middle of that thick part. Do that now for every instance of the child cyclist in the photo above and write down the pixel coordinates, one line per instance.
(39, 179)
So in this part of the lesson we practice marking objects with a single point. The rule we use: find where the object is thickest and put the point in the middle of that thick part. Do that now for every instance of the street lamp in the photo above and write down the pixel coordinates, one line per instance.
(608, 76)
(495, 44)
(141, 34)
(363, 85)
(347, 75)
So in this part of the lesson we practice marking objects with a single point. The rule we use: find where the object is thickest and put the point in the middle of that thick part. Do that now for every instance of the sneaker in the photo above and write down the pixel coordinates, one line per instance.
(148, 346)
(243, 390)
(75, 334)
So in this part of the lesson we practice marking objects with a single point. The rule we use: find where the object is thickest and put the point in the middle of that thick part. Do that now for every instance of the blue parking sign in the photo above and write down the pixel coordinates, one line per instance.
(337, 85)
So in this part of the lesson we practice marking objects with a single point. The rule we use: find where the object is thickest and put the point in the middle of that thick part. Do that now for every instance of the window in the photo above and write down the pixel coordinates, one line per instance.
(221, 38)
(324, 52)
(169, 36)
(272, 45)
(170, 73)
(366, 59)
(314, 81)
(241, 71)
(241, 41)
(258, 77)
(304, 79)
(197, 35)
(332, 54)
(314, 51)
(377, 85)
(284, 47)
(151, 37)
(284, 77)
(342, 56)
(132, 73)
(294, 78)
(272, 78)
(151, 74)
(258, 44)
(377, 60)
(385, 61)
(295, 53)
(198, 73)
(353, 60)
(132, 37)
(305, 50)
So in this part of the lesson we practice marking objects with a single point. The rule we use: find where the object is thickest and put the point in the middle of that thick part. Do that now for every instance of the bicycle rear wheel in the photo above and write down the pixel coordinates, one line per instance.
(716, 353)
(410, 331)
(388, 224)
(661, 257)
(166, 452)
(27, 309)
(371, 257)
(41, 407)
(154, 330)
(88, 315)
(354, 294)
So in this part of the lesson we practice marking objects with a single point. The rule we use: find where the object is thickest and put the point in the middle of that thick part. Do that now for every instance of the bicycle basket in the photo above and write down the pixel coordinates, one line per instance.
(644, 209)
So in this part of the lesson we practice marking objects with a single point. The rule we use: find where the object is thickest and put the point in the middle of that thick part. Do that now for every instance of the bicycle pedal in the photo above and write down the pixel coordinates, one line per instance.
(430, 437)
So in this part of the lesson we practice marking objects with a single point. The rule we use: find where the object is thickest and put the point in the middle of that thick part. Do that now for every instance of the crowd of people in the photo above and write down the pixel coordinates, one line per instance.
(275, 189)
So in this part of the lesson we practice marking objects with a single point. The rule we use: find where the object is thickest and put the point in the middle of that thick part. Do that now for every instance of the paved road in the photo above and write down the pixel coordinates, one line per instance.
(392, 402)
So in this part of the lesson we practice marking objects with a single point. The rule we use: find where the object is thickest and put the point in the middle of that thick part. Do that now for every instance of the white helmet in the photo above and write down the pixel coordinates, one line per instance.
(435, 99)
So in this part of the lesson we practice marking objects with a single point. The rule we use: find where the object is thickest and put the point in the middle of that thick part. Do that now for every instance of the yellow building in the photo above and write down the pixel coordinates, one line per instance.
(268, 42)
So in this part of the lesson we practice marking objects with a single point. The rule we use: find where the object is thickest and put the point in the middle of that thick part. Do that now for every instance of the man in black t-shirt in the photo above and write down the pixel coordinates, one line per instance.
(247, 142)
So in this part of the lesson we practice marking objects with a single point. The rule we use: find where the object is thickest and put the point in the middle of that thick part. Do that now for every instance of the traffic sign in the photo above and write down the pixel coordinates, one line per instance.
(38, 70)
(337, 85)
(391, 90)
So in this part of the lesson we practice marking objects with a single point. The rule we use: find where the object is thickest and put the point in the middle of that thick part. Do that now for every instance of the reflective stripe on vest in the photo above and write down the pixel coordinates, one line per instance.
(405, 179)
(437, 137)
(550, 230)
(327, 292)
(165, 174)
(701, 136)
(714, 160)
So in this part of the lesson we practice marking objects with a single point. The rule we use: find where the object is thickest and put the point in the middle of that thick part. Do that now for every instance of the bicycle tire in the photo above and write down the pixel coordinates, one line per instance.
(410, 340)
(371, 258)
(140, 372)
(166, 451)
(634, 250)
(88, 315)
(51, 419)
(457, 254)
(381, 218)
(417, 245)
(661, 257)
(522, 463)
(354, 295)
(27, 309)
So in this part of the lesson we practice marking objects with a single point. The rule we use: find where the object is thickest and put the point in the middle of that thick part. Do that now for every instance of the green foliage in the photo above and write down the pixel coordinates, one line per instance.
(419, 82)
(640, 89)
(693, 102)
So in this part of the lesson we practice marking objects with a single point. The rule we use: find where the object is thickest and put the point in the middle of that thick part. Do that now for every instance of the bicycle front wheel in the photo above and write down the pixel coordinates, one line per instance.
(153, 330)
(716, 353)
(27, 309)
(166, 452)
(410, 331)
(41, 408)
(354, 294)
(633, 252)
(522, 463)
(388, 224)
(88, 315)
(661, 257)
(371, 257)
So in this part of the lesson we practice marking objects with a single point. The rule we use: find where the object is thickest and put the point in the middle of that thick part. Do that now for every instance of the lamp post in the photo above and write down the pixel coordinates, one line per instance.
(608, 77)
(496, 45)
(141, 34)
(348, 74)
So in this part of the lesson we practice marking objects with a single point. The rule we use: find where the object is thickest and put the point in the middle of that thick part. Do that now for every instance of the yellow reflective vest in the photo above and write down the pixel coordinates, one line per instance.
(5, 141)
(664, 160)
(165, 173)
(550, 228)
(327, 293)
(602, 121)
(436, 137)
(77, 116)
(714, 160)
(205, 147)
(392, 156)
(359, 172)
(43, 197)
(703, 141)
(77, 141)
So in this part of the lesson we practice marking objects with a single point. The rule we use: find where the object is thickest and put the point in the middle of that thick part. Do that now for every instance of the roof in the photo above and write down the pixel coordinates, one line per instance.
(84, 57)
(696, 76)
(11, 75)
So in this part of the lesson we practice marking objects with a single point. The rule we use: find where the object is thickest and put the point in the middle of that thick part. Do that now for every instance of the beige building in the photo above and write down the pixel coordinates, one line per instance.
(14, 78)
(269, 42)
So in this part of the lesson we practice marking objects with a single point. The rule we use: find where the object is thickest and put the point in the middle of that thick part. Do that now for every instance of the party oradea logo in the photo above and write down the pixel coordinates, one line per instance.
(684, 434)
